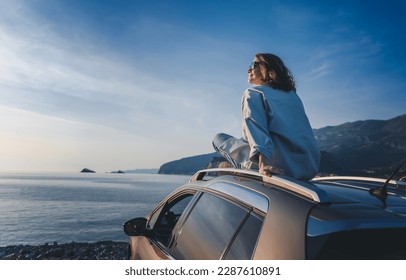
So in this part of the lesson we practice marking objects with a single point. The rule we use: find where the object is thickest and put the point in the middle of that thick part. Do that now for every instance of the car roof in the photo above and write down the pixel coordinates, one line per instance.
(324, 190)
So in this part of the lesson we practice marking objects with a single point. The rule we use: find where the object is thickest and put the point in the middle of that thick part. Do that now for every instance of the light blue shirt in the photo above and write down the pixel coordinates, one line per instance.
(275, 124)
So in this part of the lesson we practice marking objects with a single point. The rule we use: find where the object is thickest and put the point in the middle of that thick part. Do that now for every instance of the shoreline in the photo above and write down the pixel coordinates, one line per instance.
(101, 250)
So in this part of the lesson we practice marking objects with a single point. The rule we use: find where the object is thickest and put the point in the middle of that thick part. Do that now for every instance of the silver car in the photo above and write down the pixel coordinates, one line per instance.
(238, 214)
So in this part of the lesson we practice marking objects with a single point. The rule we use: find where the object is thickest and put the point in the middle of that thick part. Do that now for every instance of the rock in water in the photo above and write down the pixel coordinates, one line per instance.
(87, 170)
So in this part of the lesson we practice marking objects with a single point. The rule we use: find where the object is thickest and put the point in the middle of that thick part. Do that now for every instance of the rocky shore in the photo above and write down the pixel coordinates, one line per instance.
(103, 250)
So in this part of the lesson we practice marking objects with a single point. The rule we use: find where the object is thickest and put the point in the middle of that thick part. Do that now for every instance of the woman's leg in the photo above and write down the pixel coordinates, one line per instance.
(236, 151)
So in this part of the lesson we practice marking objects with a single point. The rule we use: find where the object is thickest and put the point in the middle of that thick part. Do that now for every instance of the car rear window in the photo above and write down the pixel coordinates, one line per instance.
(208, 229)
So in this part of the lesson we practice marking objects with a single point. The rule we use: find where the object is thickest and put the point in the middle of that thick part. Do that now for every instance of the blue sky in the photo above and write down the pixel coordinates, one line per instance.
(133, 84)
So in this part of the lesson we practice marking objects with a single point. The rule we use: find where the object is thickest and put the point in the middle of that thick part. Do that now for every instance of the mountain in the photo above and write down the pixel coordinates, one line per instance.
(188, 165)
(364, 148)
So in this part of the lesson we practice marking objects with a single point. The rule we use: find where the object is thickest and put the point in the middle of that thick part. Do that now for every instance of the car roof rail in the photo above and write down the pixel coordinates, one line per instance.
(398, 184)
(353, 178)
(299, 187)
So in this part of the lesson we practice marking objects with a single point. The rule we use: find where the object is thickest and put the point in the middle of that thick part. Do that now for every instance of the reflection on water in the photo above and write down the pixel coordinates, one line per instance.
(39, 208)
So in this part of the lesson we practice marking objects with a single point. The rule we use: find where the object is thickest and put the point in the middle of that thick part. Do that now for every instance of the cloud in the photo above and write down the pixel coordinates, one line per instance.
(44, 72)
(68, 100)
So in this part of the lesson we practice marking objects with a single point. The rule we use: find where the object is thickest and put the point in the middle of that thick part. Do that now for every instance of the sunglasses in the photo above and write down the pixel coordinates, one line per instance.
(253, 65)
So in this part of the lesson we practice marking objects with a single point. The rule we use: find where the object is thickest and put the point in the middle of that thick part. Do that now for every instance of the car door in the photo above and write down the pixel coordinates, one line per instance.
(161, 223)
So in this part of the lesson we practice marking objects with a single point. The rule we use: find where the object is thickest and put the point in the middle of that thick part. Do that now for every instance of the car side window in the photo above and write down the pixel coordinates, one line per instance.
(244, 244)
(168, 218)
(209, 228)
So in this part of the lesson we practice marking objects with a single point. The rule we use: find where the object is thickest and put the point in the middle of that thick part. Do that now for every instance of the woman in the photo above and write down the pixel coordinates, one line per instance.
(277, 136)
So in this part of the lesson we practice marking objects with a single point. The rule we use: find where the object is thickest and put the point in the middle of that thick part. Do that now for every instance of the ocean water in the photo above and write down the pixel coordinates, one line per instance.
(82, 207)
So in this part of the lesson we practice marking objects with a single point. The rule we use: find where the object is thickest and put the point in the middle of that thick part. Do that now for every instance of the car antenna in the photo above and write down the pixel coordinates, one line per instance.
(381, 192)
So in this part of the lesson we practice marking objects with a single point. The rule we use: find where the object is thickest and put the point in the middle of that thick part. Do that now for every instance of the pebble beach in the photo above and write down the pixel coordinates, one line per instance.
(103, 250)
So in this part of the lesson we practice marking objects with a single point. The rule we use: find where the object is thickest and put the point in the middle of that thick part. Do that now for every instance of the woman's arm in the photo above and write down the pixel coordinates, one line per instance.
(255, 125)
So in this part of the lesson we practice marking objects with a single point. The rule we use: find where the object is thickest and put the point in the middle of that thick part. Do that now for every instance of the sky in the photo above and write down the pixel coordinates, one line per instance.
(111, 85)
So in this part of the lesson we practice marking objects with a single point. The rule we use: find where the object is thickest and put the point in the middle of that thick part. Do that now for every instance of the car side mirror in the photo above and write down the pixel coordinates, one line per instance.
(135, 227)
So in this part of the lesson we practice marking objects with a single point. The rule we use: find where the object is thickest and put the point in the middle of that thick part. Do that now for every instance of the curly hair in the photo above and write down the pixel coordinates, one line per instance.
(284, 80)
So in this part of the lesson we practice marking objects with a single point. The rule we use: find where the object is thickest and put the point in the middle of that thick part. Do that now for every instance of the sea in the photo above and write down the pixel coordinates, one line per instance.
(39, 208)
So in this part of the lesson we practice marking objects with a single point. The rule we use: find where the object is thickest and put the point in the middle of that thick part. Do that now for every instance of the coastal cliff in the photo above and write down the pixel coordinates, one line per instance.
(188, 165)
